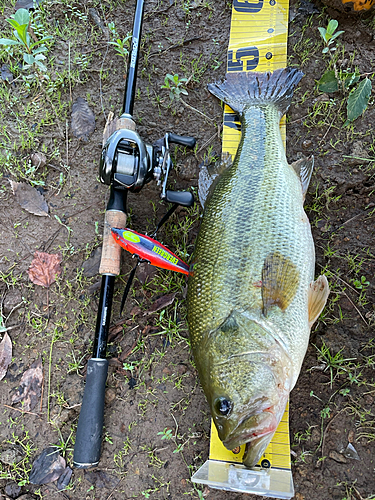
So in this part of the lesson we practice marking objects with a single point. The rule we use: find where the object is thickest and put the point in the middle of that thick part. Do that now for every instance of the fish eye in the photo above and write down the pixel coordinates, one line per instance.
(223, 406)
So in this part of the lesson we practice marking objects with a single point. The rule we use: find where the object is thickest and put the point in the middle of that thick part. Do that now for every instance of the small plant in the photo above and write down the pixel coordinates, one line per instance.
(166, 434)
(335, 363)
(362, 283)
(329, 35)
(337, 79)
(175, 86)
(121, 46)
(32, 52)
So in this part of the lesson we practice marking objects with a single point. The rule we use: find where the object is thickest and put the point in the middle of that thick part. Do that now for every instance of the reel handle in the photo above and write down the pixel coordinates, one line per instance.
(182, 140)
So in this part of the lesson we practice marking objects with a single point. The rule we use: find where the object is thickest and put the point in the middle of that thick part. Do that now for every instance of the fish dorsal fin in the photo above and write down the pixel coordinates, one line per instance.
(304, 169)
(208, 175)
(318, 295)
(280, 280)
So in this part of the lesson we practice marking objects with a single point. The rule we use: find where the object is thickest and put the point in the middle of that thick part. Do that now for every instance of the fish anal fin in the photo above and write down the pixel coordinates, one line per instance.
(318, 295)
(304, 169)
(208, 174)
(280, 280)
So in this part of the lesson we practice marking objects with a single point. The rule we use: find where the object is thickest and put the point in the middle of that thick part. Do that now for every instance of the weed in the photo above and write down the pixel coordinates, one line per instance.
(175, 85)
(335, 363)
(338, 79)
(32, 52)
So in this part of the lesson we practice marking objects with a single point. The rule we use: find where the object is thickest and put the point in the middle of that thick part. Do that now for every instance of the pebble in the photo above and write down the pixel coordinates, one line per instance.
(10, 457)
(12, 490)
(12, 300)
(337, 457)
(110, 396)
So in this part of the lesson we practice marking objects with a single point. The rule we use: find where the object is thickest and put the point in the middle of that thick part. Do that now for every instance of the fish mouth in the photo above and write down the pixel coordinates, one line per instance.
(255, 449)
(252, 428)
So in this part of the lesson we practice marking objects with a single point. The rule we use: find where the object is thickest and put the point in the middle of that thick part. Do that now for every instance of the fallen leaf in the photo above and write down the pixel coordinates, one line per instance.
(47, 467)
(30, 387)
(83, 119)
(44, 268)
(162, 302)
(30, 198)
(5, 355)
(91, 265)
(6, 74)
(64, 479)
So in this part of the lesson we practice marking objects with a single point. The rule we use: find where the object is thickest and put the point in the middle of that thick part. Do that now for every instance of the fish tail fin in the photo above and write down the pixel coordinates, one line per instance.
(241, 89)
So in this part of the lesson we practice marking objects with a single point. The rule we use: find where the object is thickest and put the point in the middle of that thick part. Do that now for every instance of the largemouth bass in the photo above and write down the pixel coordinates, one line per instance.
(251, 293)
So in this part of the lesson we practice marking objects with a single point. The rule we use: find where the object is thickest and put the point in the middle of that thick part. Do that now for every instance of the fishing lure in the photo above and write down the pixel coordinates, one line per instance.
(147, 248)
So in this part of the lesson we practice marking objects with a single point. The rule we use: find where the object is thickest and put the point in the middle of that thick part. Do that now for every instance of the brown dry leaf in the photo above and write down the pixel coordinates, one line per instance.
(30, 387)
(44, 268)
(30, 199)
(83, 119)
(5, 355)
(162, 302)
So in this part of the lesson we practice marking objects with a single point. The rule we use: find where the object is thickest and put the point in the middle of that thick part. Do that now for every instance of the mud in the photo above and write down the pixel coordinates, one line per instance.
(152, 384)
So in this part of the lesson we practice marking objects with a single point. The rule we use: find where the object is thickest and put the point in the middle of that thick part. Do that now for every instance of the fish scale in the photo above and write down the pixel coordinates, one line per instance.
(254, 186)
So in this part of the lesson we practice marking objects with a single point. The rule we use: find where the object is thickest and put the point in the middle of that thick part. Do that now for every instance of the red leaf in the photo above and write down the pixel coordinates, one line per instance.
(44, 268)
(5, 355)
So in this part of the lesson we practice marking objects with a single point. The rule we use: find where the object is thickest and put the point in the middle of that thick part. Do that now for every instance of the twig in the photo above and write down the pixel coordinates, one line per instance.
(206, 143)
(196, 110)
(42, 394)
(22, 411)
(70, 80)
(355, 307)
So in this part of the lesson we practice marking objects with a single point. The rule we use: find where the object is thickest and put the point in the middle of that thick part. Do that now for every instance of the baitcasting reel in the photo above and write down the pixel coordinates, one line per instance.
(128, 163)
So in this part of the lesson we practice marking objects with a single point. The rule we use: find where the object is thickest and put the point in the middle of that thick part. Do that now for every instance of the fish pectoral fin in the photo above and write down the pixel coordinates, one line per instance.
(318, 295)
(304, 169)
(208, 175)
(280, 280)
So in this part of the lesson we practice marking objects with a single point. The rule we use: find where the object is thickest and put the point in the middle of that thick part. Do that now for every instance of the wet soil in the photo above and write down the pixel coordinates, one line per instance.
(152, 384)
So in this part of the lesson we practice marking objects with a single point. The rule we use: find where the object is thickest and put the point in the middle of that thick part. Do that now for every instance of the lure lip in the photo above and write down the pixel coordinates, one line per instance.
(149, 250)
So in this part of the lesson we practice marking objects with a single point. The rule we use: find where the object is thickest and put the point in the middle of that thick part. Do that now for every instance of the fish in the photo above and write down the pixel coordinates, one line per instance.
(252, 298)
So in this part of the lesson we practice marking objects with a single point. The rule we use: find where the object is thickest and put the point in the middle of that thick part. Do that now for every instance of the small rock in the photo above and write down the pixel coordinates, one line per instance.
(166, 371)
(181, 368)
(351, 436)
(12, 299)
(110, 396)
(10, 456)
(307, 144)
(38, 160)
(337, 457)
(12, 489)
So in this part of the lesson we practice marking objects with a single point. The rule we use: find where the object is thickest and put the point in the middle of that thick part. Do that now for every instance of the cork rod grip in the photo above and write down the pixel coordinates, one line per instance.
(111, 251)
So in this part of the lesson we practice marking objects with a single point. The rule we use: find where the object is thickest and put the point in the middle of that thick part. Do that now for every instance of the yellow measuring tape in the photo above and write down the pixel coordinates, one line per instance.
(258, 42)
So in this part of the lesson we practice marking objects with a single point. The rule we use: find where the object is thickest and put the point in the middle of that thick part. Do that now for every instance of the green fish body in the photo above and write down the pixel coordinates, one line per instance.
(251, 296)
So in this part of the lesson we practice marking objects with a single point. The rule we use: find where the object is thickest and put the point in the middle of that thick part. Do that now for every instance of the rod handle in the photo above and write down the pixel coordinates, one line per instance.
(90, 422)
(111, 251)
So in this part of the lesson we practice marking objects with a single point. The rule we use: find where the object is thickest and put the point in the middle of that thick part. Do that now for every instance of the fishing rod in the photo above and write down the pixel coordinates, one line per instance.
(127, 163)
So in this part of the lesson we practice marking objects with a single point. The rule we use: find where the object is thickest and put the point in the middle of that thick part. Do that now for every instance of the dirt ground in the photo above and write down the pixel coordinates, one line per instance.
(156, 417)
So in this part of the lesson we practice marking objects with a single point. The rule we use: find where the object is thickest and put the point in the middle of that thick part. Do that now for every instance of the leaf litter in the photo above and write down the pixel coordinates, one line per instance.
(30, 388)
(5, 355)
(44, 268)
(83, 119)
(47, 467)
(30, 198)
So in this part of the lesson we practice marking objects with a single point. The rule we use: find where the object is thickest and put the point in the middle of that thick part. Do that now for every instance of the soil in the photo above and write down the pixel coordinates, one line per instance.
(152, 384)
